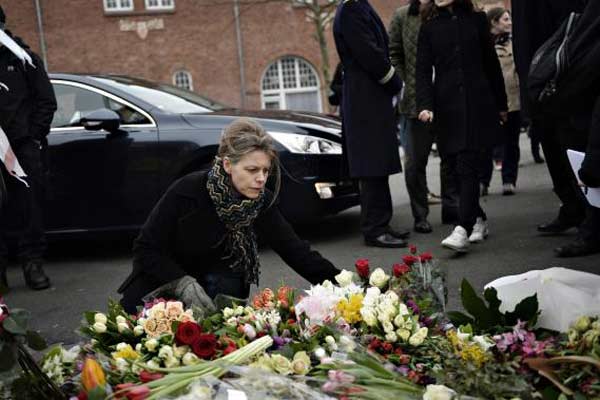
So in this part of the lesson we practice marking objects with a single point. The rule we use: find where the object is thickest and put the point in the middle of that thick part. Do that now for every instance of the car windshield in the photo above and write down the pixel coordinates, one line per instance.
(165, 97)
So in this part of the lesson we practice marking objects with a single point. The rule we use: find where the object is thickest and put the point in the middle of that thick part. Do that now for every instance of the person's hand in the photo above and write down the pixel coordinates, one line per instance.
(426, 116)
(503, 117)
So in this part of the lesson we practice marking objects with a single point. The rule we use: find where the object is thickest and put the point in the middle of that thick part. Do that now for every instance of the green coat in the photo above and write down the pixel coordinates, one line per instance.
(404, 35)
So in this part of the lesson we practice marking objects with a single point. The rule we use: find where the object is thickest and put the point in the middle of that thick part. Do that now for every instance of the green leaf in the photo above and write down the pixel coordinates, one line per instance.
(20, 316)
(89, 317)
(97, 393)
(457, 318)
(35, 341)
(11, 326)
(7, 358)
(475, 305)
(491, 296)
(525, 311)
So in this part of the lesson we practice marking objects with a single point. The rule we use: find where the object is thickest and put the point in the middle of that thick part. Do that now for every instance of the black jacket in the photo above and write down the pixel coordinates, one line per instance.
(182, 235)
(368, 114)
(468, 92)
(28, 106)
(534, 21)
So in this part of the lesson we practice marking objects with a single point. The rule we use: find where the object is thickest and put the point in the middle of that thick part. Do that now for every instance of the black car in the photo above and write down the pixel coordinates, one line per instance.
(117, 143)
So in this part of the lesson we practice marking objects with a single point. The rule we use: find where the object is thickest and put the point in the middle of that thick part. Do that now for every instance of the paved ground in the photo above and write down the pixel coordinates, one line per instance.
(86, 274)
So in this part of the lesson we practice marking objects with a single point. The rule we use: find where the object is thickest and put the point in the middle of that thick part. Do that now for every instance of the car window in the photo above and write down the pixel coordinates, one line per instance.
(74, 103)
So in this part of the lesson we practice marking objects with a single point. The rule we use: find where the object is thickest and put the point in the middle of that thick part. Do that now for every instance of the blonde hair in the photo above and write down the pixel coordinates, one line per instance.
(245, 135)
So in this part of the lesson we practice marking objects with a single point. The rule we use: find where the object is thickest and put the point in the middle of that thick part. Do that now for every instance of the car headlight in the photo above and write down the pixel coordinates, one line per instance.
(305, 144)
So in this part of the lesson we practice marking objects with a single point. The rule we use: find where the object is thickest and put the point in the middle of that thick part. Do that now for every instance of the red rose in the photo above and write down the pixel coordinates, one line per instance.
(426, 257)
(146, 376)
(206, 346)
(410, 260)
(362, 268)
(387, 347)
(187, 333)
(400, 269)
(412, 248)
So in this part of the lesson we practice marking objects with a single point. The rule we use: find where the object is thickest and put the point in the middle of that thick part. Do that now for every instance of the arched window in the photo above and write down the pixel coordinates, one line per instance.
(183, 79)
(291, 83)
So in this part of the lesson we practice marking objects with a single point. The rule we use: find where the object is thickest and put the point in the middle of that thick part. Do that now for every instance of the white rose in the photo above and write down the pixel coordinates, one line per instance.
(153, 364)
(388, 327)
(121, 346)
(392, 297)
(438, 392)
(190, 359)
(403, 333)
(403, 310)
(227, 312)
(391, 337)
(171, 362)
(373, 291)
(344, 278)
(165, 352)
(101, 318)
(368, 315)
(122, 327)
(180, 351)
(121, 364)
(138, 330)
(99, 327)
(138, 347)
(378, 278)
(151, 345)
(121, 319)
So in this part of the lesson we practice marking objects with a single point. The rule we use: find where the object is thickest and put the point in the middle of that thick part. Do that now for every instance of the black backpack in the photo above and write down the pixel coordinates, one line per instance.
(549, 62)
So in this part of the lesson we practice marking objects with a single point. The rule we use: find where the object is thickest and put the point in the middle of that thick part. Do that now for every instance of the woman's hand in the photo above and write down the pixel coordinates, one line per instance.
(426, 116)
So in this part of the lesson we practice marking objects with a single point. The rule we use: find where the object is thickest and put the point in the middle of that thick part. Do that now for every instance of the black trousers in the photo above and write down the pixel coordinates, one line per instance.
(376, 206)
(466, 166)
(21, 218)
(555, 142)
(419, 138)
(509, 152)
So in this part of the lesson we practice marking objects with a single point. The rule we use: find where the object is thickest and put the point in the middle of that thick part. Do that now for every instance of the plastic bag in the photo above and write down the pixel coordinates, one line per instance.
(563, 294)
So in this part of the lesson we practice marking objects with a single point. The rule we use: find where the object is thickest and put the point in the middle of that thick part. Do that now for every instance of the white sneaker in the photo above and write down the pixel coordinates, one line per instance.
(457, 240)
(480, 231)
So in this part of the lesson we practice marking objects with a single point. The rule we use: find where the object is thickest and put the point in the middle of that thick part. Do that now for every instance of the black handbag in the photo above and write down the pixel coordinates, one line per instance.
(550, 61)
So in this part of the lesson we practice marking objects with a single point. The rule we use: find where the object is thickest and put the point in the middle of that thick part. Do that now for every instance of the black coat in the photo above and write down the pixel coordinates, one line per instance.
(368, 112)
(534, 21)
(468, 92)
(182, 235)
(27, 107)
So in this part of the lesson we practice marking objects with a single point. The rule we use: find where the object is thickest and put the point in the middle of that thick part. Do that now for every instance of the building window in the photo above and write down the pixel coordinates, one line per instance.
(183, 79)
(291, 83)
(160, 4)
(118, 5)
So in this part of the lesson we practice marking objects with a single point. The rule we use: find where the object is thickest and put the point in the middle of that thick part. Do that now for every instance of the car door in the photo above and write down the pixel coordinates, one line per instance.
(99, 180)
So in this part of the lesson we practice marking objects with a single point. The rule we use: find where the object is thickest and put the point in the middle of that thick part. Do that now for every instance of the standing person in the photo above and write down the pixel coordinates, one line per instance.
(369, 122)
(418, 136)
(534, 21)
(465, 103)
(206, 226)
(27, 105)
(501, 27)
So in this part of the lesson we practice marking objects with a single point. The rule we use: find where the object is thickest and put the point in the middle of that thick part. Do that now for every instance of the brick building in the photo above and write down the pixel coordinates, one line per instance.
(198, 44)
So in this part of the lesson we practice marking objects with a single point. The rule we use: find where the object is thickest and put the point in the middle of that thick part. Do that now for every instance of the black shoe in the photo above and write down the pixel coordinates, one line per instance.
(386, 240)
(403, 234)
(538, 159)
(577, 248)
(423, 227)
(35, 277)
(556, 226)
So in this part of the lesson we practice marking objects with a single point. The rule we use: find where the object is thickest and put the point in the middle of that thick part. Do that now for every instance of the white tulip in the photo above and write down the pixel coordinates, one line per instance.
(151, 345)
(190, 359)
(171, 362)
(122, 327)
(121, 346)
(391, 337)
(153, 364)
(99, 327)
(100, 318)
(121, 319)
(138, 347)
(138, 330)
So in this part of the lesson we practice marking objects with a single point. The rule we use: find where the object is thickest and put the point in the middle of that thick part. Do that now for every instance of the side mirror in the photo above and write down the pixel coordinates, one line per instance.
(101, 119)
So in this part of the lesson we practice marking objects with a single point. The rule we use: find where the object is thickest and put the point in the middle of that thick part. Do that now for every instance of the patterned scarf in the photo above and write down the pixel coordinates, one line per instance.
(237, 213)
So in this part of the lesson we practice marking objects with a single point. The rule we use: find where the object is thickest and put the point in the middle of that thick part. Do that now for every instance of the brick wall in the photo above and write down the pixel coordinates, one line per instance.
(198, 36)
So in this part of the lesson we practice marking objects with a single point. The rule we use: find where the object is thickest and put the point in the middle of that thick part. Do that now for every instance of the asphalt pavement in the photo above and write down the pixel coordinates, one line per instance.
(85, 274)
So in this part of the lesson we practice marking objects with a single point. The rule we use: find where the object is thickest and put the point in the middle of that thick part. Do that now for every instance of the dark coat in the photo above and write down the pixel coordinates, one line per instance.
(368, 112)
(183, 236)
(468, 92)
(534, 21)
(27, 107)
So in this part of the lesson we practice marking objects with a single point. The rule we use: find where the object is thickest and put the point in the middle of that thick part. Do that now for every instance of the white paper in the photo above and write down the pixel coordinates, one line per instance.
(563, 294)
(9, 159)
(236, 395)
(591, 194)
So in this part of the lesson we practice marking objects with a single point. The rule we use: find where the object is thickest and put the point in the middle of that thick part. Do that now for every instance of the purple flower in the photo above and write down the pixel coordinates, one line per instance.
(413, 306)
(278, 342)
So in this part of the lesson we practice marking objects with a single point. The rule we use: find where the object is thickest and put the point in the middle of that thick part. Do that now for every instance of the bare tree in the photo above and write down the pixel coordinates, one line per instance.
(320, 13)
